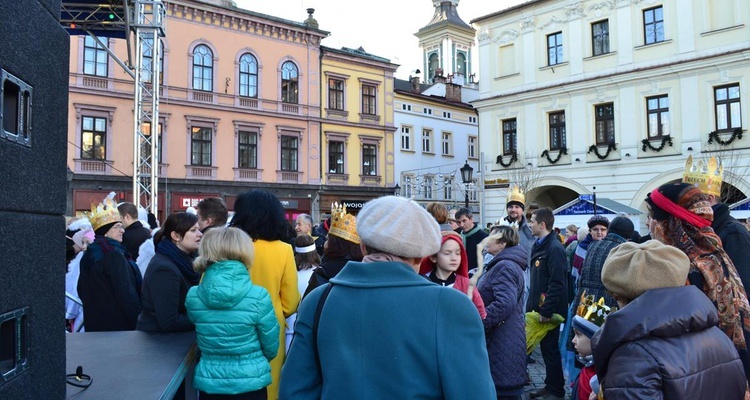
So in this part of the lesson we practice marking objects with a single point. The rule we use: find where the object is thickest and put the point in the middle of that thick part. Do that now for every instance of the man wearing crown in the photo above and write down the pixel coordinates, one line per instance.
(515, 207)
(109, 284)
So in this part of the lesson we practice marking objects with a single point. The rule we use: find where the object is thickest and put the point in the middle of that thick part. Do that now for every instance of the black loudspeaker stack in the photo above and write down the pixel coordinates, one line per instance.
(34, 55)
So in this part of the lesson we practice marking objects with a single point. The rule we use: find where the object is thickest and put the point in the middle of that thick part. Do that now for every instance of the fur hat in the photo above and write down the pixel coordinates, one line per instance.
(622, 226)
(598, 220)
(398, 226)
(631, 269)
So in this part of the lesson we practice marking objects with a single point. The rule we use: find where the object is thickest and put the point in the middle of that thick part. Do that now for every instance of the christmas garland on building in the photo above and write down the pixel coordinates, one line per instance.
(513, 158)
(664, 141)
(545, 153)
(595, 149)
(714, 136)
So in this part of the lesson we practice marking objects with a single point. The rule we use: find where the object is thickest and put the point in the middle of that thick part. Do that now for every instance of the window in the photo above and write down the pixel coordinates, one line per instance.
(447, 143)
(200, 153)
(658, 116)
(248, 76)
(427, 111)
(406, 138)
(448, 189)
(407, 187)
(428, 183)
(433, 65)
(557, 130)
(94, 138)
(94, 58)
(203, 68)
(289, 145)
(554, 49)
(148, 57)
(473, 120)
(369, 159)
(335, 94)
(335, 157)
(600, 37)
(406, 107)
(653, 25)
(146, 150)
(472, 147)
(289, 83)
(605, 124)
(368, 99)
(461, 65)
(509, 137)
(727, 100)
(247, 149)
(446, 114)
(426, 141)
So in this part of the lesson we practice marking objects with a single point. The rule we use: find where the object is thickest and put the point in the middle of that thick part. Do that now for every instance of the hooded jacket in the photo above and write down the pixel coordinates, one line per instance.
(501, 288)
(735, 240)
(237, 330)
(427, 266)
(665, 345)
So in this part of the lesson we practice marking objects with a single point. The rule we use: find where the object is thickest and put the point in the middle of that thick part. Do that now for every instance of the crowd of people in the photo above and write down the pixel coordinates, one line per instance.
(405, 301)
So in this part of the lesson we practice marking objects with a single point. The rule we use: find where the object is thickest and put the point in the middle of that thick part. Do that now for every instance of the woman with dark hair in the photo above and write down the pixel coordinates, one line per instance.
(341, 247)
(681, 216)
(170, 275)
(259, 213)
(501, 287)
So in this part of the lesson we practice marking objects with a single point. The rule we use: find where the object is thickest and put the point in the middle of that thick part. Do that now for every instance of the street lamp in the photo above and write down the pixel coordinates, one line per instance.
(466, 172)
(594, 200)
(396, 190)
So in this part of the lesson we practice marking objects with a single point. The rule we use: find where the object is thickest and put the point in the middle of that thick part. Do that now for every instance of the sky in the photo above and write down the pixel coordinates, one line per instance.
(383, 28)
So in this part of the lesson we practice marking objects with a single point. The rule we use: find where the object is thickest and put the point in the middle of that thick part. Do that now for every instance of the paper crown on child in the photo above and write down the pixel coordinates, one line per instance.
(103, 213)
(590, 315)
(343, 225)
(515, 196)
(706, 176)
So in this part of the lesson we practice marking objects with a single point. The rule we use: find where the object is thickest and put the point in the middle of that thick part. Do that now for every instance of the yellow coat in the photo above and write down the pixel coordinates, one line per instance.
(275, 270)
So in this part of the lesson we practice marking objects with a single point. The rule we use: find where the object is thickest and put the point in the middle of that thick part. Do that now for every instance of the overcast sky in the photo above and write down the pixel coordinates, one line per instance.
(384, 28)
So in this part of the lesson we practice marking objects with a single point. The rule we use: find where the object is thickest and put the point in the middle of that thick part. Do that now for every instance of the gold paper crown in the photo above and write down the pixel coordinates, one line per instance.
(593, 311)
(343, 225)
(515, 194)
(103, 213)
(707, 177)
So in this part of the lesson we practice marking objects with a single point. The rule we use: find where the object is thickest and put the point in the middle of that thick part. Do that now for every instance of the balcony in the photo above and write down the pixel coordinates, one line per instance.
(162, 172)
(205, 97)
(288, 176)
(248, 102)
(93, 167)
(248, 175)
(369, 118)
(370, 180)
(290, 108)
(95, 82)
(340, 114)
(337, 179)
(200, 172)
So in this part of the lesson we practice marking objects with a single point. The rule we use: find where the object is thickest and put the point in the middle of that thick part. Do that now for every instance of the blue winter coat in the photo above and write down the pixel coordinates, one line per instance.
(236, 328)
(501, 288)
(387, 333)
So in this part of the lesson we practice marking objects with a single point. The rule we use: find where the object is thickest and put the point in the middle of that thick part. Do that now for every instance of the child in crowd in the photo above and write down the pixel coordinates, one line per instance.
(236, 326)
(450, 267)
(588, 319)
(307, 260)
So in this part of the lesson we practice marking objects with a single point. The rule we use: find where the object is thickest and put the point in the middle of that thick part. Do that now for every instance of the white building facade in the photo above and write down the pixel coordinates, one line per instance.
(610, 97)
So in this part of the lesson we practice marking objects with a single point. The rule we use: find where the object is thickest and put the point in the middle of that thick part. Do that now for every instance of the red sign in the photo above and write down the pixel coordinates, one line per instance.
(181, 201)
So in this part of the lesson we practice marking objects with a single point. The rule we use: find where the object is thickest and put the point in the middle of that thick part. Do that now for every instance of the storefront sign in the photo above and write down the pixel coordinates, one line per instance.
(353, 204)
(290, 204)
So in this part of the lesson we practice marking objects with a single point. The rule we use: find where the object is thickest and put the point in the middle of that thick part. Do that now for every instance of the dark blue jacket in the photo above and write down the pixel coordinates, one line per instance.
(385, 332)
(501, 288)
(665, 345)
(735, 239)
(548, 278)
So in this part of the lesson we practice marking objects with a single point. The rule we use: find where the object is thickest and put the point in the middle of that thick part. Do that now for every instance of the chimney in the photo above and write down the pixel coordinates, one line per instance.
(414, 83)
(453, 92)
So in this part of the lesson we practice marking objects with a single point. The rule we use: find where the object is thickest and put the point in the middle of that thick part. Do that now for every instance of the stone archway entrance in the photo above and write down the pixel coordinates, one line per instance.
(551, 196)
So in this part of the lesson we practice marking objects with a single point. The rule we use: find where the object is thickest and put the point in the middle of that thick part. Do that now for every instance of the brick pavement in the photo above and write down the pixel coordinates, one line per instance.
(536, 372)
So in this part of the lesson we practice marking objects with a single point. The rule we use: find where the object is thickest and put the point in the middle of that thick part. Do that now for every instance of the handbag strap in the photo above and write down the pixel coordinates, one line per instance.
(316, 322)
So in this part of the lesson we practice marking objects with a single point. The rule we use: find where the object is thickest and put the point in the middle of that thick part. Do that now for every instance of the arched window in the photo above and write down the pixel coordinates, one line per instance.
(434, 64)
(248, 76)
(461, 63)
(289, 82)
(203, 68)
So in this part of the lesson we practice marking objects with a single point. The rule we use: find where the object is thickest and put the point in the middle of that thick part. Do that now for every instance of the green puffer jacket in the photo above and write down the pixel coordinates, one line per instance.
(236, 328)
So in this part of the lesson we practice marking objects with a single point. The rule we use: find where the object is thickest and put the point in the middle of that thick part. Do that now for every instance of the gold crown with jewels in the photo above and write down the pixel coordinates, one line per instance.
(104, 213)
(706, 176)
(593, 311)
(343, 225)
(515, 194)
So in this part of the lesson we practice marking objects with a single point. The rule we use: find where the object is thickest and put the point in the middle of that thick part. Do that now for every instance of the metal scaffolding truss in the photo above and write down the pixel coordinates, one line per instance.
(140, 23)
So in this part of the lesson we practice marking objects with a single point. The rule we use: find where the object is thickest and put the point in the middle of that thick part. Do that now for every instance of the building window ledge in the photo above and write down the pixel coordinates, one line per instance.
(369, 117)
(288, 176)
(332, 112)
(552, 67)
(598, 56)
(201, 172)
(721, 30)
(93, 166)
(370, 180)
(644, 46)
(248, 174)
(333, 179)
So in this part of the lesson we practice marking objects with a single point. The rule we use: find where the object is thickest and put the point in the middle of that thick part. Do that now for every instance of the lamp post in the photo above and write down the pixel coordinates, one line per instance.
(397, 190)
(594, 200)
(466, 172)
